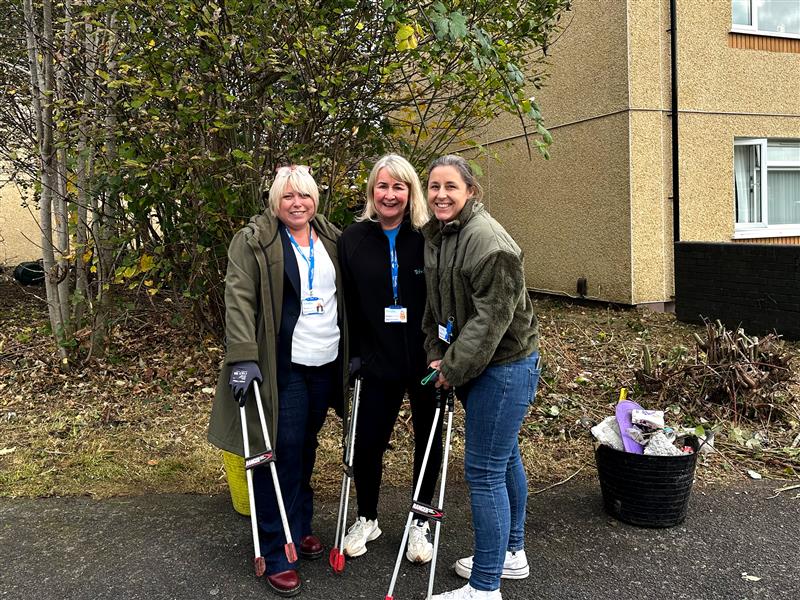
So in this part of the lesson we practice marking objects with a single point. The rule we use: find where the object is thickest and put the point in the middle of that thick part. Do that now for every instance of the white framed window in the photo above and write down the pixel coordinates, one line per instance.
(766, 17)
(766, 183)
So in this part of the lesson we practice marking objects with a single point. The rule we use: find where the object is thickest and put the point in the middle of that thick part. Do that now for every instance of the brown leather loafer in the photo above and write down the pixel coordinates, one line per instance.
(310, 547)
(285, 583)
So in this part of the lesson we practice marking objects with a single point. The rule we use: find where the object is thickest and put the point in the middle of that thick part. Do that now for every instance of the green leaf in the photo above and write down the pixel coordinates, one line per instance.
(441, 27)
(241, 155)
(458, 26)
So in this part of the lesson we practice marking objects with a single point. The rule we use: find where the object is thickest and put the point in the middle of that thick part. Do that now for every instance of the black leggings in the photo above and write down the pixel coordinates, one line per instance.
(377, 413)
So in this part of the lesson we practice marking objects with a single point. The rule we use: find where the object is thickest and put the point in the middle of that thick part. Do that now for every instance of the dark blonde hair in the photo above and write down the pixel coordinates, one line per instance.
(463, 168)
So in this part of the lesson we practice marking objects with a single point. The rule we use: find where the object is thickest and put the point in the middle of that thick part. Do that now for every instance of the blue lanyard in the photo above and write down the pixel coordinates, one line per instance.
(395, 268)
(391, 235)
(310, 259)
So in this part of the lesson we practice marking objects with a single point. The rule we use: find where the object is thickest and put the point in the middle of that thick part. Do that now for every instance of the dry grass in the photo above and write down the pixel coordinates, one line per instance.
(135, 421)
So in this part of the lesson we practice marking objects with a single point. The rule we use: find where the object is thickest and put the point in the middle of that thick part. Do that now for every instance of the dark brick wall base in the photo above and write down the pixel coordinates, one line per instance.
(756, 286)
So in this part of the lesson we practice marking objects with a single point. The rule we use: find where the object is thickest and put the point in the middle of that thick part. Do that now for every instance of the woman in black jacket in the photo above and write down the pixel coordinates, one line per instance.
(384, 280)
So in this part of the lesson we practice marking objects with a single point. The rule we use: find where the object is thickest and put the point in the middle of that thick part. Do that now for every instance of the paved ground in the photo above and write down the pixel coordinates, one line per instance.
(194, 547)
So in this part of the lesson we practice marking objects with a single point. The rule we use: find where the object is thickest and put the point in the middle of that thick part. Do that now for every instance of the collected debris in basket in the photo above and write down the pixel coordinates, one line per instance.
(638, 431)
(645, 468)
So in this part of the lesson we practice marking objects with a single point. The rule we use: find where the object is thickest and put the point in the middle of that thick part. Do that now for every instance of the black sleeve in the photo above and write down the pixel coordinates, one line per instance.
(352, 305)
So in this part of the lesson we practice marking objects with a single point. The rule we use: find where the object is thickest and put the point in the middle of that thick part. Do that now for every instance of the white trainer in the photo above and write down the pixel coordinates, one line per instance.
(420, 548)
(468, 593)
(515, 566)
(360, 532)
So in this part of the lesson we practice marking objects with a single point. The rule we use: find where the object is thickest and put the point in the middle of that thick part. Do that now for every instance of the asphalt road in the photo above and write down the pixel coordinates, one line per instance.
(195, 547)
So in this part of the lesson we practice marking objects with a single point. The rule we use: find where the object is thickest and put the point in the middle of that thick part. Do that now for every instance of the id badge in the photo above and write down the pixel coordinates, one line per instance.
(395, 314)
(444, 333)
(313, 306)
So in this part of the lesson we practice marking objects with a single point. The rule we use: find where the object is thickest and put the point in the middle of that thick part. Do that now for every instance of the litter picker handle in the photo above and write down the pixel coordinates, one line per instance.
(291, 552)
(337, 552)
(417, 488)
(258, 560)
(432, 373)
(445, 459)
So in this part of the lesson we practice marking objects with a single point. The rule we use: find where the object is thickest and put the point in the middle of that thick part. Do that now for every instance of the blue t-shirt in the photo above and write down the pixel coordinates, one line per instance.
(392, 235)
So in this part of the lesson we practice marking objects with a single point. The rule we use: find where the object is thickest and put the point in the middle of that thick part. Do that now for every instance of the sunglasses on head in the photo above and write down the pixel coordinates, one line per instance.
(286, 170)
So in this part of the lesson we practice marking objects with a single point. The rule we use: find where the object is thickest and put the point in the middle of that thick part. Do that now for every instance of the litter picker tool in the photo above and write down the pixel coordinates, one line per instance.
(420, 508)
(336, 557)
(256, 460)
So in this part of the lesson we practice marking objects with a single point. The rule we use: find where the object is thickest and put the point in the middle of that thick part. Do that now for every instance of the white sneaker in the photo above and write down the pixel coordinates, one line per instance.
(360, 532)
(515, 566)
(420, 548)
(468, 593)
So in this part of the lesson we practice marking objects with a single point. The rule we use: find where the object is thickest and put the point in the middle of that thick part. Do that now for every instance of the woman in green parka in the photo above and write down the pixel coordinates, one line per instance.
(285, 332)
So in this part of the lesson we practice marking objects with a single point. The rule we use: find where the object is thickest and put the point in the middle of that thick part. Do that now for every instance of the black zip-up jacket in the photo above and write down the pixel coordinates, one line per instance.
(387, 350)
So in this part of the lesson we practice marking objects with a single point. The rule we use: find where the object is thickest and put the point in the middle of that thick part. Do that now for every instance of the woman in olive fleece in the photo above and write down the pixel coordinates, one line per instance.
(482, 336)
(284, 317)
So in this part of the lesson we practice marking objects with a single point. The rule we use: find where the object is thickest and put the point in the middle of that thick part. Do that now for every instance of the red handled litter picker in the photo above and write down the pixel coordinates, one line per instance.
(336, 557)
(420, 508)
(256, 460)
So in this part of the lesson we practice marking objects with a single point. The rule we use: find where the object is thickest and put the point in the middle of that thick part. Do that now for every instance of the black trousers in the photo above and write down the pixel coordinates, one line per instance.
(377, 413)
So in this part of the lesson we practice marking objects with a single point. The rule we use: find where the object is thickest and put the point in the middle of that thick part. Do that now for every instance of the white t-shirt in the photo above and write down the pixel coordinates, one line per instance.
(316, 337)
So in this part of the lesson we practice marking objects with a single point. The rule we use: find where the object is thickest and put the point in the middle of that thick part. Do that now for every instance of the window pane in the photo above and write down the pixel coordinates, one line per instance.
(783, 187)
(747, 178)
(780, 16)
(741, 12)
(783, 152)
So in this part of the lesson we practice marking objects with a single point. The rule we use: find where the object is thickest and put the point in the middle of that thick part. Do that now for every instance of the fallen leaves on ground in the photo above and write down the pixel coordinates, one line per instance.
(134, 421)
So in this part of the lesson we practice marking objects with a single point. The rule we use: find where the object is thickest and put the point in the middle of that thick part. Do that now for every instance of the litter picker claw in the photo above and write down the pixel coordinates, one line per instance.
(336, 557)
(420, 508)
(256, 460)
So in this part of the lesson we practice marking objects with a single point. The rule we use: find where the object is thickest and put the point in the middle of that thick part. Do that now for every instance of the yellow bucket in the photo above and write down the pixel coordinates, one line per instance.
(237, 482)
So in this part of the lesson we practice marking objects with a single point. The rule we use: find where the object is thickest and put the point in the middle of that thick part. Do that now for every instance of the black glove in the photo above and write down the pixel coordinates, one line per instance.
(242, 376)
(353, 368)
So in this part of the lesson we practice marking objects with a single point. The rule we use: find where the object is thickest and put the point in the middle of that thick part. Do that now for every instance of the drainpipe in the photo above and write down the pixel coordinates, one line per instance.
(676, 213)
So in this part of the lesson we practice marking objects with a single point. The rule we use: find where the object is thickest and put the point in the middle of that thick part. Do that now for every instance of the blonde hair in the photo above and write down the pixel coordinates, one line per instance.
(399, 168)
(463, 168)
(299, 176)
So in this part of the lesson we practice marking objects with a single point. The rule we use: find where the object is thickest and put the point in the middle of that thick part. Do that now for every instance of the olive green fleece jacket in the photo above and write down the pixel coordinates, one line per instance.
(254, 287)
(474, 273)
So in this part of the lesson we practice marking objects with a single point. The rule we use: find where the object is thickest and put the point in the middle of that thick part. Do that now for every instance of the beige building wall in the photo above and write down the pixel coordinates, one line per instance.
(714, 77)
(571, 214)
(650, 155)
(707, 192)
(725, 93)
(19, 230)
(601, 208)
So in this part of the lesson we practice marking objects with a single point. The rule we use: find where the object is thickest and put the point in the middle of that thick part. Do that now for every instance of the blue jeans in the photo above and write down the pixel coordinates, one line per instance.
(496, 403)
(303, 405)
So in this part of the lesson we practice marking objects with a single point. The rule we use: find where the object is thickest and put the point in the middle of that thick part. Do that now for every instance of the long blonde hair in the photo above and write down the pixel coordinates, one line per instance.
(399, 168)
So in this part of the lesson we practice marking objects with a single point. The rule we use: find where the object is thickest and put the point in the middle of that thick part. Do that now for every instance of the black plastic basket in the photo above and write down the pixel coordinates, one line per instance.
(29, 273)
(648, 491)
